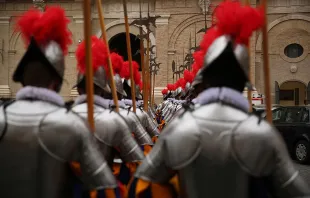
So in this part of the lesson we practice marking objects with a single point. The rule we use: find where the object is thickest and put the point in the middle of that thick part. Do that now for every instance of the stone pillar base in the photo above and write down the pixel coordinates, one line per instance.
(74, 93)
(5, 91)
(158, 96)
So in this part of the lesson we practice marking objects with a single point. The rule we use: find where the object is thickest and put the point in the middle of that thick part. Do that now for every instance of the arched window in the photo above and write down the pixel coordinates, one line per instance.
(293, 50)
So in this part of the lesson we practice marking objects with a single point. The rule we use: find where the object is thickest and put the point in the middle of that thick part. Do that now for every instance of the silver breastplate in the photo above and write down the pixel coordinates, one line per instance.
(147, 123)
(112, 134)
(224, 148)
(140, 135)
(39, 141)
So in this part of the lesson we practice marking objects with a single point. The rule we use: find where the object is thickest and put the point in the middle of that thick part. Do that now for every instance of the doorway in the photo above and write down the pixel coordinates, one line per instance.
(118, 45)
(292, 93)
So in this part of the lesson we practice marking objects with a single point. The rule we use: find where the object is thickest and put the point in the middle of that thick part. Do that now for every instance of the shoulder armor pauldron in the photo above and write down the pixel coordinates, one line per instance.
(3, 118)
(3, 123)
(188, 107)
(178, 134)
(255, 134)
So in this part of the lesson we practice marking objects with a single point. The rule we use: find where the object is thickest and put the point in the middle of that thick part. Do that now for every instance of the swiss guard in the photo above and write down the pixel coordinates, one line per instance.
(219, 149)
(112, 132)
(126, 86)
(39, 136)
(145, 118)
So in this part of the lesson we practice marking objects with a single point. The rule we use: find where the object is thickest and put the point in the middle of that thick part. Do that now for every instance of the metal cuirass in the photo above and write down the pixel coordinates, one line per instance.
(216, 150)
(140, 134)
(38, 141)
(147, 122)
(112, 134)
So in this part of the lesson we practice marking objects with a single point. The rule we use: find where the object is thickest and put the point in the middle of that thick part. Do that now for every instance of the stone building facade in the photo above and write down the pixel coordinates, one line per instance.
(288, 31)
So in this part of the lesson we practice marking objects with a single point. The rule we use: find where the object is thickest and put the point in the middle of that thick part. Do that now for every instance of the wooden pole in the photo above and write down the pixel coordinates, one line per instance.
(205, 14)
(149, 74)
(142, 62)
(147, 79)
(104, 37)
(89, 68)
(153, 95)
(133, 91)
(266, 65)
(148, 91)
(247, 3)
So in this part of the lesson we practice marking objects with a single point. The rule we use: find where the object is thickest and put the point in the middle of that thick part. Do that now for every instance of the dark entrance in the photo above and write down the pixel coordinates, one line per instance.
(118, 44)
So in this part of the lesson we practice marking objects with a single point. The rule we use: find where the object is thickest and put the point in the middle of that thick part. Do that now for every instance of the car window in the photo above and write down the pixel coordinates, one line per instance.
(277, 114)
(293, 115)
(305, 115)
(257, 111)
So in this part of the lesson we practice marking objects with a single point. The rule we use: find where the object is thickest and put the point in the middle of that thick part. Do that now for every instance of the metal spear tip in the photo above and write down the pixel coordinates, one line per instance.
(39, 4)
(202, 30)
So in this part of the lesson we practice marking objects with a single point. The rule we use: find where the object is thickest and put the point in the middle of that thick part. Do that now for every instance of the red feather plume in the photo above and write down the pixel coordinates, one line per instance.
(177, 84)
(117, 62)
(252, 19)
(51, 25)
(99, 55)
(137, 77)
(174, 87)
(164, 91)
(188, 76)
(125, 71)
(170, 87)
(141, 85)
(212, 34)
(198, 58)
(182, 83)
(136, 73)
(235, 20)
(239, 21)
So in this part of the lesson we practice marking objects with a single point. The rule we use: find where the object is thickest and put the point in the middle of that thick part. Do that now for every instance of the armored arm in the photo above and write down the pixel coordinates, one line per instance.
(153, 167)
(260, 150)
(285, 180)
(94, 167)
(64, 136)
(128, 147)
(151, 127)
(154, 177)
(141, 135)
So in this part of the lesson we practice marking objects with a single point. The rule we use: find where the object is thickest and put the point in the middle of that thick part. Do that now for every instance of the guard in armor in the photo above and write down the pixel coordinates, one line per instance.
(168, 103)
(39, 136)
(219, 149)
(127, 87)
(144, 118)
(112, 132)
(121, 69)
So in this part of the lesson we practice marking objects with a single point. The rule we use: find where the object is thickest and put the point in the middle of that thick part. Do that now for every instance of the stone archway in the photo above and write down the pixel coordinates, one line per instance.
(118, 44)
(293, 92)
(118, 26)
(282, 32)
(271, 25)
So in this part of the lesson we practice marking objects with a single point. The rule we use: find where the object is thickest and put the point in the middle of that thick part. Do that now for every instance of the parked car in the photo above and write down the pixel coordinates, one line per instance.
(260, 109)
(293, 124)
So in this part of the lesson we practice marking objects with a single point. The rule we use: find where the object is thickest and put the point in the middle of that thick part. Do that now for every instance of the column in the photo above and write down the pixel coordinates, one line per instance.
(78, 32)
(162, 39)
(5, 91)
